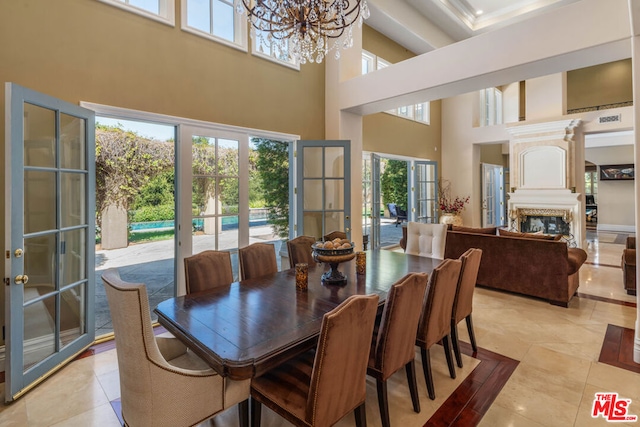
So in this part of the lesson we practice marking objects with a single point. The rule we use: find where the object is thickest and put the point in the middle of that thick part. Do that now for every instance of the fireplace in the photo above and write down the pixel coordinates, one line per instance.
(546, 221)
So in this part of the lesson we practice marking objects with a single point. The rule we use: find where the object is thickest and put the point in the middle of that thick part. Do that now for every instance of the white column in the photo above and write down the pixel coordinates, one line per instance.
(344, 125)
(634, 12)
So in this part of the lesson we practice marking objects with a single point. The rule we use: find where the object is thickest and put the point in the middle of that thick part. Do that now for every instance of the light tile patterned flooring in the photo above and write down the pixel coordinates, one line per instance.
(553, 384)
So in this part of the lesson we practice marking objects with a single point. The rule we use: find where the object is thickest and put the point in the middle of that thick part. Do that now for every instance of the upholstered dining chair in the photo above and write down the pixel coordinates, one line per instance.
(394, 339)
(257, 259)
(463, 302)
(300, 250)
(426, 240)
(320, 387)
(161, 382)
(335, 235)
(207, 270)
(435, 320)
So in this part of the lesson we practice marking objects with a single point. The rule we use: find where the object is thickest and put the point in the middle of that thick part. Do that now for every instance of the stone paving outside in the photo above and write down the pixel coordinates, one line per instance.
(153, 264)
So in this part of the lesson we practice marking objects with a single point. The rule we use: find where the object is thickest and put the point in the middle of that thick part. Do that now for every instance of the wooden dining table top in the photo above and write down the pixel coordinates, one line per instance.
(244, 329)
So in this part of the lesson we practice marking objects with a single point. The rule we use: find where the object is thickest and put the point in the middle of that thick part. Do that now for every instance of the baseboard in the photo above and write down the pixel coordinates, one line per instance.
(617, 228)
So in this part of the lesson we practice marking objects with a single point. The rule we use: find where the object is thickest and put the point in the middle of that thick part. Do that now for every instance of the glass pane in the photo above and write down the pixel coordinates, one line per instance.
(312, 191)
(72, 256)
(223, 19)
(39, 265)
(334, 194)
(72, 195)
(312, 167)
(312, 223)
(228, 238)
(72, 142)
(204, 234)
(333, 221)
(72, 313)
(39, 136)
(152, 6)
(199, 15)
(39, 201)
(39, 330)
(334, 162)
(229, 199)
(203, 151)
(227, 157)
(203, 196)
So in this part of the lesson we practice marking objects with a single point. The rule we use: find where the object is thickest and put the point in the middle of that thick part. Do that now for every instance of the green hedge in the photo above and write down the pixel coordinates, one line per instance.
(153, 213)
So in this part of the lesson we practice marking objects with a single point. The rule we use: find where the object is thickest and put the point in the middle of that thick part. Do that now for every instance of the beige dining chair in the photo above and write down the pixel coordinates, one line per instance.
(426, 240)
(435, 320)
(207, 270)
(394, 340)
(257, 259)
(162, 383)
(463, 302)
(300, 250)
(320, 387)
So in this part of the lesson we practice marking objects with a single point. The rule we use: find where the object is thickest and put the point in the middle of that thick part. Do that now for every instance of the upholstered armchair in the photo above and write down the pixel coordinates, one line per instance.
(161, 382)
(426, 240)
(629, 265)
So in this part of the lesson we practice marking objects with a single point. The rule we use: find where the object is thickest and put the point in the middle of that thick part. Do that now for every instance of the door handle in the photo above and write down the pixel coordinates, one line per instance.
(21, 279)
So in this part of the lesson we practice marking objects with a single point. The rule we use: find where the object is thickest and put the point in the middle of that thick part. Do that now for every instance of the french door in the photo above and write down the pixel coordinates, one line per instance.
(323, 187)
(493, 213)
(424, 192)
(50, 160)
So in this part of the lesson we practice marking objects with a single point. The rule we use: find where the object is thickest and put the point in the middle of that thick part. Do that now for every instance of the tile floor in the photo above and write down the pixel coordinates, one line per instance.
(556, 350)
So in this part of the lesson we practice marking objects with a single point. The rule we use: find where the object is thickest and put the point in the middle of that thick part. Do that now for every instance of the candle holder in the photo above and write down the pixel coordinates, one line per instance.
(361, 262)
(302, 276)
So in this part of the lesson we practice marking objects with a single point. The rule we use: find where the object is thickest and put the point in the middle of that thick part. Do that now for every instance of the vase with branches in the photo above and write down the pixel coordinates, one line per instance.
(447, 203)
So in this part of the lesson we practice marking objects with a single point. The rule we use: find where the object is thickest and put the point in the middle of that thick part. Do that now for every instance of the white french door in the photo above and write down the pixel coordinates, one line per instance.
(425, 192)
(493, 213)
(50, 160)
(323, 187)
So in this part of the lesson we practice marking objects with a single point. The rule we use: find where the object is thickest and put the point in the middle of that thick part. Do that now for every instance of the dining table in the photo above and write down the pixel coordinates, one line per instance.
(245, 329)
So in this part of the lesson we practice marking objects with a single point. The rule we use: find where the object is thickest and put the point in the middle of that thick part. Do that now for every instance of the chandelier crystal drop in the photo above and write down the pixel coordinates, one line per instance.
(303, 30)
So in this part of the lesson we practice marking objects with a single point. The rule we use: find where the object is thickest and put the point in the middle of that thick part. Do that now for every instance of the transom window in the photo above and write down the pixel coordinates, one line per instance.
(159, 10)
(490, 106)
(216, 20)
(417, 112)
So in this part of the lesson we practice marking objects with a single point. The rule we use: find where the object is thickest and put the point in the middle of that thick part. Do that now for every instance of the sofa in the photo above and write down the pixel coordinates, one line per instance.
(629, 265)
(524, 264)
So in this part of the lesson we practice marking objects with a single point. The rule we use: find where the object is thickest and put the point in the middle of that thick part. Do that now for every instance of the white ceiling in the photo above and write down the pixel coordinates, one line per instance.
(449, 21)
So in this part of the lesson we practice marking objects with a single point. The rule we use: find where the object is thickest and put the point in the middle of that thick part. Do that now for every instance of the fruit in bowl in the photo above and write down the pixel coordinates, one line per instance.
(333, 246)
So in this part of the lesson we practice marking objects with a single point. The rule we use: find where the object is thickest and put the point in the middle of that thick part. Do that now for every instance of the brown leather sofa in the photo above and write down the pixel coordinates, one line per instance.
(629, 266)
(539, 268)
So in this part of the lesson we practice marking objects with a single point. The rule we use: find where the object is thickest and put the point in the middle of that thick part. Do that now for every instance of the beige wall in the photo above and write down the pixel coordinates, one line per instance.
(600, 85)
(385, 133)
(615, 199)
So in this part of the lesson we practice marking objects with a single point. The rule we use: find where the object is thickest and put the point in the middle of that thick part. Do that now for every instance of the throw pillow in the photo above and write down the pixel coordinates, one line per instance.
(485, 230)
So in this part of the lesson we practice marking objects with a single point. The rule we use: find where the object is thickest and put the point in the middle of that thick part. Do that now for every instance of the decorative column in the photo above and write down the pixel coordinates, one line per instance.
(635, 62)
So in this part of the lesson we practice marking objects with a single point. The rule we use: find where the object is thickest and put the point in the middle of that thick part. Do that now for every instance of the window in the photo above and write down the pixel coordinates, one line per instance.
(418, 112)
(591, 183)
(490, 107)
(159, 10)
(261, 45)
(216, 20)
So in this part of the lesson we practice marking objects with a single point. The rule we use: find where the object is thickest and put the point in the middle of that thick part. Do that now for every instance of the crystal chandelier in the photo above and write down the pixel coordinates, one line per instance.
(303, 30)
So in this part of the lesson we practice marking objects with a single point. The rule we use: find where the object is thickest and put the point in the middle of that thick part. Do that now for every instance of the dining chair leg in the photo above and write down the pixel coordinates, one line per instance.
(426, 368)
(361, 416)
(256, 413)
(472, 336)
(383, 402)
(455, 343)
(447, 354)
(413, 384)
(243, 413)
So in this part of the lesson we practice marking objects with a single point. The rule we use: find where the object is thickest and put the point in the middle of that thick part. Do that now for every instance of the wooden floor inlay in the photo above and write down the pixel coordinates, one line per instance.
(608, 300)
(617, 348)
(471, 400)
